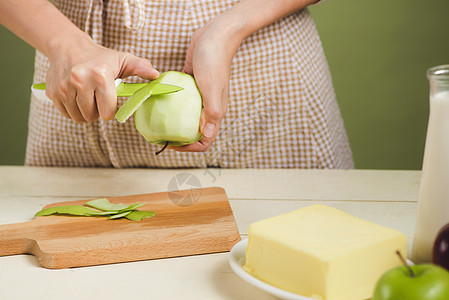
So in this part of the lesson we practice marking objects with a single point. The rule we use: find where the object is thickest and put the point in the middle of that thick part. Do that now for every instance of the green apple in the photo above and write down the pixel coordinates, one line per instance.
(172, 119)
(166, 119)
(416, 282)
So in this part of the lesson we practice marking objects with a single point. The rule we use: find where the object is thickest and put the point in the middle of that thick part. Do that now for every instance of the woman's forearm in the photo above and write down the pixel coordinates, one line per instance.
(80, 78)
(42, 25)
(248, 16)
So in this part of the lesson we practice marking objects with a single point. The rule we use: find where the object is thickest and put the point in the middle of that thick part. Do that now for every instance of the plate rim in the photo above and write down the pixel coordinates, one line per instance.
(237, 257)
(236, 260)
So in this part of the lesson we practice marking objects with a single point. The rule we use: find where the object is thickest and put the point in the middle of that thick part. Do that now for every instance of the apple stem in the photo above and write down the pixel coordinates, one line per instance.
(162, 150)
(404, 262)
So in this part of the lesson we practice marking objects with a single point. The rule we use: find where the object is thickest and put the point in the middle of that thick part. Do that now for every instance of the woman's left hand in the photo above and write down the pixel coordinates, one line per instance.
(209, 59)
(210, 54)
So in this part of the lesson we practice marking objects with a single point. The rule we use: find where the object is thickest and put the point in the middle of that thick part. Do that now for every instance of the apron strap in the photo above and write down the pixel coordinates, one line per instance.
(94, 21)
(94, 27)
(137, 22)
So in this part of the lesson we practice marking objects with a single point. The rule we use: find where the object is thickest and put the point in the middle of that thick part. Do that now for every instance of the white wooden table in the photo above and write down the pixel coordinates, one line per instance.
(388, 198)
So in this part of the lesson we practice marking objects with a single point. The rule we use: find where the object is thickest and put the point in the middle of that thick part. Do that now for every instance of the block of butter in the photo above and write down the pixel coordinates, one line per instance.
(322, 253)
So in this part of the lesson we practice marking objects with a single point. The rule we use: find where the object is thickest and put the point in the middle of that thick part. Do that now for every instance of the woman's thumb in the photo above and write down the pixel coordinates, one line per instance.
(137, 66)
(212, 115)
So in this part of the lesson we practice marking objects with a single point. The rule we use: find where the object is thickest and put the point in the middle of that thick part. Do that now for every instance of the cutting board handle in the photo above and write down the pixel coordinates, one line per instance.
(16, 239)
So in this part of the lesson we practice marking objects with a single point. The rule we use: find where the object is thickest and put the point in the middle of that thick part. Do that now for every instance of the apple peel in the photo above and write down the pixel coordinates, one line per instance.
(135, 101)
(100, 207)
(105, 205)
(76, 210)
(139, 215)
(119, 215)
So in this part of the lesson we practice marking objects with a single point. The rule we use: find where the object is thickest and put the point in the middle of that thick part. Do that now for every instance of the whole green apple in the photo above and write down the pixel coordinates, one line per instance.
(172, 119)
(428, 282)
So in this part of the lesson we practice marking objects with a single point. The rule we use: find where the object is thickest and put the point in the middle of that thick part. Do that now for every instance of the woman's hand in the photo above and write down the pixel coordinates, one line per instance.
(210, 54)
(81, 77)
(80, 81)
(209, 59)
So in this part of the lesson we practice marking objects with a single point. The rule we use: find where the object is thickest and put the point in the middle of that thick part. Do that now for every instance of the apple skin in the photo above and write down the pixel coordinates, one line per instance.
(440, 253)
(173, 118)
(431, 282)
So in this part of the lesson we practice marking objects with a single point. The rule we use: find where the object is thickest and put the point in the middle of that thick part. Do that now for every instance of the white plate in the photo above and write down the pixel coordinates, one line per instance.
(237, 258)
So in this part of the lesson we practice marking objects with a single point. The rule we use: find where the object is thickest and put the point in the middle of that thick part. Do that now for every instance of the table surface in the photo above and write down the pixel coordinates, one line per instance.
(388, 198)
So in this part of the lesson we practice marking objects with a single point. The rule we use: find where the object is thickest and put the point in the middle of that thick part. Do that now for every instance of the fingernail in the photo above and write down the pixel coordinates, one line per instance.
(208, 129)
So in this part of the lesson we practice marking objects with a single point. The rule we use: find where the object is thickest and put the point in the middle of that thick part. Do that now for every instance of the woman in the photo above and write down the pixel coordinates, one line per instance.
(267, 92)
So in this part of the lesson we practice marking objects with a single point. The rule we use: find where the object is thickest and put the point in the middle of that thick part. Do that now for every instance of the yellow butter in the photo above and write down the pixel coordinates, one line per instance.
(322, 252)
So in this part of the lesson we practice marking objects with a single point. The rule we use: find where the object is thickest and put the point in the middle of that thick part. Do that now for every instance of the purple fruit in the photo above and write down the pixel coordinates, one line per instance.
(440, 255)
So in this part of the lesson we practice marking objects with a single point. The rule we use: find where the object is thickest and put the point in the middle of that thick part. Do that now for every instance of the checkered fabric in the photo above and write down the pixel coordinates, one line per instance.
(282, 108)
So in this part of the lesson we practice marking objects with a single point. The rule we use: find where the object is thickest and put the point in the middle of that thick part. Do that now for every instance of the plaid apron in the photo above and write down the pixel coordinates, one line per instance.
(287, 119)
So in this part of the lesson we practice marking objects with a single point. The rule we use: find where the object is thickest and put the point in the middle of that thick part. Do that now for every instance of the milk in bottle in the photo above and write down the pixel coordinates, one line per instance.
(433, 204)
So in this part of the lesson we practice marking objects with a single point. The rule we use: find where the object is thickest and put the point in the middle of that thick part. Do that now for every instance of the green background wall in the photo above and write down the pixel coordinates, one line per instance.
(378, 52)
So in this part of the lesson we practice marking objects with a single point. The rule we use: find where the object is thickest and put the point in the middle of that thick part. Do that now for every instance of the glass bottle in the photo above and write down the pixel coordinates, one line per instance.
(433, 203)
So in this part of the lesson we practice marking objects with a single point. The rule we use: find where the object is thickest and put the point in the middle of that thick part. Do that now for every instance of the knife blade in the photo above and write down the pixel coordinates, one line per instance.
(123, 89)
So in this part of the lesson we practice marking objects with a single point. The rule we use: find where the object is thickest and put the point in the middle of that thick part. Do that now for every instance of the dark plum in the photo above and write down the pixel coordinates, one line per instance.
(440, 254)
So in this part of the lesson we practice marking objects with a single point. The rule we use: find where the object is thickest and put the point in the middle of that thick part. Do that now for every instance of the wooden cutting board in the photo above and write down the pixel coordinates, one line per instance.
(187, 222)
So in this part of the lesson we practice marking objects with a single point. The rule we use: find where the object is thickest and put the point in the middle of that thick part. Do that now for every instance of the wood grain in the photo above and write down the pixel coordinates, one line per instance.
(205, 226)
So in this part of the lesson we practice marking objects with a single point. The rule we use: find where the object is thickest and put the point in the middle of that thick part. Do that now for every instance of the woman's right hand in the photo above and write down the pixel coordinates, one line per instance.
(80, 80)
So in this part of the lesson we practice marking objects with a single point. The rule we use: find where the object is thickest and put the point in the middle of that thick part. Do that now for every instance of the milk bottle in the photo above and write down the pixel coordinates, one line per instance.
(433, 203)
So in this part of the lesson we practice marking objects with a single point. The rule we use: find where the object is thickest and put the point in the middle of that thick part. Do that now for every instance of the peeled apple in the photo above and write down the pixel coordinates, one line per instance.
(170, 119)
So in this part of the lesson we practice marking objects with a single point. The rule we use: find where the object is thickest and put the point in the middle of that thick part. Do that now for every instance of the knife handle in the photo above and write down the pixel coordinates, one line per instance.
(40, 93)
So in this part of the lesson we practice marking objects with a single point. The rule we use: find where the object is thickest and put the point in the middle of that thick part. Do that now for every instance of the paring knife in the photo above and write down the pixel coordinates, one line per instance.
(123, 89)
